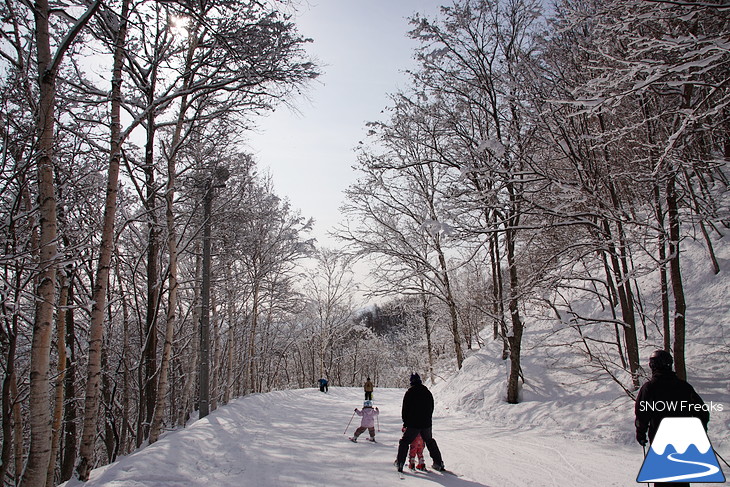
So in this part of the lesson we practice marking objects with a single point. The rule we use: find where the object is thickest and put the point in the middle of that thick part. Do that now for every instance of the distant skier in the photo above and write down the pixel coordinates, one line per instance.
(416, 450)
(323, 384)
(368, 415)
(369, 388)
(665, 395)
(417, 415)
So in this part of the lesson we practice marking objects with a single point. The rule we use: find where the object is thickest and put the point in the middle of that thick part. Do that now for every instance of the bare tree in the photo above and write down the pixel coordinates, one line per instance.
(402, 215)
(330, 290)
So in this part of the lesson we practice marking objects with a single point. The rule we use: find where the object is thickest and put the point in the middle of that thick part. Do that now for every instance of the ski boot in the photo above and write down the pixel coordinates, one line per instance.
(421, 467)
(439, 467)
(353, 439)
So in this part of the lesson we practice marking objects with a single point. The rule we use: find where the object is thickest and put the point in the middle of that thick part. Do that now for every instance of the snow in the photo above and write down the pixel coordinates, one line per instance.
(297, 438)
(573, 426)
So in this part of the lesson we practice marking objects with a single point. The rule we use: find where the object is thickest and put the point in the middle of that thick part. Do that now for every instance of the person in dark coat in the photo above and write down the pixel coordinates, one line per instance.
(665, 395)
(417, 415)
(323, 384)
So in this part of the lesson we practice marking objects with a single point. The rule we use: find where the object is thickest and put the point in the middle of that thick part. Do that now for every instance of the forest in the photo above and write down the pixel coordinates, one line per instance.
(150, 272)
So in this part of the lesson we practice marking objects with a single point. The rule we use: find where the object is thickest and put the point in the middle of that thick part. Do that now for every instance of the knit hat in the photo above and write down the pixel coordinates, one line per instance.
(415, 379)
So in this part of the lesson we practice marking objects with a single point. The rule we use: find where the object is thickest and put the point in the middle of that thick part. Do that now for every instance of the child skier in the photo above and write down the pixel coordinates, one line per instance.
(368, 415)
(416, 449)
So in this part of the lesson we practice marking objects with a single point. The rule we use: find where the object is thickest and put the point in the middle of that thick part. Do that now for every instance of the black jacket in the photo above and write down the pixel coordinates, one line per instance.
(417, 407)
(666, 395)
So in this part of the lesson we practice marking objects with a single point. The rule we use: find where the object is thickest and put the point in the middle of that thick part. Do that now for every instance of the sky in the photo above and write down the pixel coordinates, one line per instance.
(363, 51)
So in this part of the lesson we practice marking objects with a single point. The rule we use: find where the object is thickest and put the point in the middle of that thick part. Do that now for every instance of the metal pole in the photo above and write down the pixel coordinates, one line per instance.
(348, 423)
(204, 405)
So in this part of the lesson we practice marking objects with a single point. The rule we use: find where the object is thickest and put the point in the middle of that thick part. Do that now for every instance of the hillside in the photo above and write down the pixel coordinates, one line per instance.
(566, 393)
(574, 426)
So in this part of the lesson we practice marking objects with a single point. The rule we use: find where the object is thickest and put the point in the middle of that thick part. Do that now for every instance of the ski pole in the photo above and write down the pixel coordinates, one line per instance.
(348, 423)
(377, 418)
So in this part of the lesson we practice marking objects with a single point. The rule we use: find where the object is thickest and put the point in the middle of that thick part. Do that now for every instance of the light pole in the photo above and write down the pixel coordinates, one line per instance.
(221, 175)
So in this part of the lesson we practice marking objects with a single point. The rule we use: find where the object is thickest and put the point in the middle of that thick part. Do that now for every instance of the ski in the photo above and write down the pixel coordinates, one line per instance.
(354, 440)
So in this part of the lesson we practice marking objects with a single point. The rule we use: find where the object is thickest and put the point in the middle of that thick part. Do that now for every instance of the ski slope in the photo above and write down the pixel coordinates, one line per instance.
(297, 438)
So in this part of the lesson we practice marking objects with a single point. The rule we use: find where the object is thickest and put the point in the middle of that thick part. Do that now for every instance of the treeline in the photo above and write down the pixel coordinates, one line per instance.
(529, 161)
(539, 160)
(121, 124)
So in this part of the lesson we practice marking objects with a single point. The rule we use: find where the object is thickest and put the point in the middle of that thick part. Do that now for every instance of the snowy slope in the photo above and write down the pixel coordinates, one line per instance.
(565, 394)
(573, 427)
(296, 438)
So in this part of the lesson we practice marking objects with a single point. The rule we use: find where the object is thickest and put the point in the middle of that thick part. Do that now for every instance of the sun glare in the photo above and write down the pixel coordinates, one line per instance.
(179, 26)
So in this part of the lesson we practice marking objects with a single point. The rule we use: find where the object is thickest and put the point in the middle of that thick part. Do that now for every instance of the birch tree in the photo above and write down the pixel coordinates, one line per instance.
(51, 47)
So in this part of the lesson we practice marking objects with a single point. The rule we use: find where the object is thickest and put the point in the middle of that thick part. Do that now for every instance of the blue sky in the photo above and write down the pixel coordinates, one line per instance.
(363, 50)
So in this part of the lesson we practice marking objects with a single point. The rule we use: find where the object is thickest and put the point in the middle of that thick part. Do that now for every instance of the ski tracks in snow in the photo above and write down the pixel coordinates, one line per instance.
(298, 438)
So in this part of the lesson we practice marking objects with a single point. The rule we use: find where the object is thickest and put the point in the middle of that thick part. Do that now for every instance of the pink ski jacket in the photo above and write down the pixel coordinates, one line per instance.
(368, 417)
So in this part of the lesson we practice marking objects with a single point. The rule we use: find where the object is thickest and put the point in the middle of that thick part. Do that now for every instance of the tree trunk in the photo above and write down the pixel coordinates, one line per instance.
(216, 356)
(96, 329)
(190, 366)
(626, 302)
(515, 337)
(126, 352)
(663, 284)
(680, 306)
(498, 324)
(39, 452)
(252, 342)
(68, 458)
(8, 400)
(456, 336)
(426, 313)
(227, 394)
(630, 337)
(147, 401)
(154, 291)
(17, 428)
(162, 385)
(60, 377)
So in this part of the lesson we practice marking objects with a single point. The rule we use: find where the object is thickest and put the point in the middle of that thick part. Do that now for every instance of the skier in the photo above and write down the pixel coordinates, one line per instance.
(368, 421)
(369, 387)
(416, 450)
(677, 398)
(417, 415)
(323, 384)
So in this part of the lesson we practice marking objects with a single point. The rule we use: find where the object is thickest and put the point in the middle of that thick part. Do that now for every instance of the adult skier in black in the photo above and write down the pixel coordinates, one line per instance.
(417, 415)
(665, 395)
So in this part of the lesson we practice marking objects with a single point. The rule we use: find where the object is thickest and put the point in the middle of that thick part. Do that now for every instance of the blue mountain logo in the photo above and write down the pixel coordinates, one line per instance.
(681, 452)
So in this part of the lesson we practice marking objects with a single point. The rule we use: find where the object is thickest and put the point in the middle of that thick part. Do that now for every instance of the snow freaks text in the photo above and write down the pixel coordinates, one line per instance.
(680, 406)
